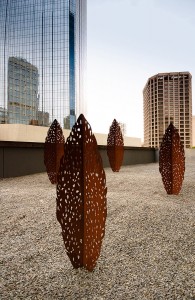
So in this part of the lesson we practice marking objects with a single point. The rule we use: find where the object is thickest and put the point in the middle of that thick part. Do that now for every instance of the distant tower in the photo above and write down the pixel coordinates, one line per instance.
(51, 36)
(23, 99)
(167, 98)
(123, 128)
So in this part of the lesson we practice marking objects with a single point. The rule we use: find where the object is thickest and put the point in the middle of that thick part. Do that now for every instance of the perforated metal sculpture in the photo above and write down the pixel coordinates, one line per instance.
(53, 150)
(172, 161)
(81, 197)
(115, 146)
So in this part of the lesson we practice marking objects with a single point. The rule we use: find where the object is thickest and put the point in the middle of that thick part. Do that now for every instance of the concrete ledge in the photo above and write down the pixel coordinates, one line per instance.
(25, 133)
(37, 134)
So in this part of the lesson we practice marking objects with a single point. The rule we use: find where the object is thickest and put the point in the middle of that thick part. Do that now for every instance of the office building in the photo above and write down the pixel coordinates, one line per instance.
(48, 40)
(23, 97)
(167, 98)
(3, 115)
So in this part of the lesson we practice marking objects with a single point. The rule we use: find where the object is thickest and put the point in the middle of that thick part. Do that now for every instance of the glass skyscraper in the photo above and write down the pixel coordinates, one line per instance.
(42, 61)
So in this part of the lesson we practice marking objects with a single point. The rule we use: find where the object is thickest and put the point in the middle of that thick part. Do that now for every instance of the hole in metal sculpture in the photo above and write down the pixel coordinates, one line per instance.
(82, 196)
(115, 146)
(53, 150)
(172, 161)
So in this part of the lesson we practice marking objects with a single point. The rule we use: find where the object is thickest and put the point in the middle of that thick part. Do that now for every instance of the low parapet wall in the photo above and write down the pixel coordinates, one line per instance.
(21, 158)
(132, 156)
(24, 158)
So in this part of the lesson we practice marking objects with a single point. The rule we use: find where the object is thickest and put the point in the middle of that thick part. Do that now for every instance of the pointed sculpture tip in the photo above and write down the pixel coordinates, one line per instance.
(114, 122)
(55, 121)
(81, 116)
(170, 127)
(171, 124)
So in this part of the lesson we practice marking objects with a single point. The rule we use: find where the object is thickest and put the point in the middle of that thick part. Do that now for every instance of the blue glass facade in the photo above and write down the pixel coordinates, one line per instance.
(42, 61)
(72, 62)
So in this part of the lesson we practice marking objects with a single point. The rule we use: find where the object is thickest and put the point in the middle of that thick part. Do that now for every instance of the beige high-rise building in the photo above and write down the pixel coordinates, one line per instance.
(193, 131)
(168, 98)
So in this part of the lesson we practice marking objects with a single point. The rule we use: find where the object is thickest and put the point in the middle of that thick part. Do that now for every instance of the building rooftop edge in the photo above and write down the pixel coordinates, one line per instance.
(168, 73)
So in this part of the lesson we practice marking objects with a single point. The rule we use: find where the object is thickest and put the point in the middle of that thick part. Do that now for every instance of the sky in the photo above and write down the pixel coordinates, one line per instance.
(129, 41)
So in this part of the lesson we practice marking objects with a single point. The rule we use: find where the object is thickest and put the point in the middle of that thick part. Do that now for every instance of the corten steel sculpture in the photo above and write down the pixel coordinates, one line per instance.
(115, 146)
(53, 150)
(172, 161)
(81, 197)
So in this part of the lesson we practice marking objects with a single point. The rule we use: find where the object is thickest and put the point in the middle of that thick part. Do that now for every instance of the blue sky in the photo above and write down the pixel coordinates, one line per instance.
(129, 41)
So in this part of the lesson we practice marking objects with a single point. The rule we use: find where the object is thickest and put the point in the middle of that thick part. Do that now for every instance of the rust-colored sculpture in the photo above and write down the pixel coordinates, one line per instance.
(81, 197)
(172, 161)
(115, 146)
(53, 150)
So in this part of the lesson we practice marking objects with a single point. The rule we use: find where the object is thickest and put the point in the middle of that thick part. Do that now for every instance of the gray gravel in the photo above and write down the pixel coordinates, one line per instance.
(148, 250)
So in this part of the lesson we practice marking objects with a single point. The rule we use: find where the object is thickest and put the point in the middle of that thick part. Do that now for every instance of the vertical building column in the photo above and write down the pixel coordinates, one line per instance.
(184, 112)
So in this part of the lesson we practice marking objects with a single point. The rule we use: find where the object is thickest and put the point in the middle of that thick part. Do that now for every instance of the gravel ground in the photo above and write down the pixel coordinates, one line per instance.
(148, 251)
